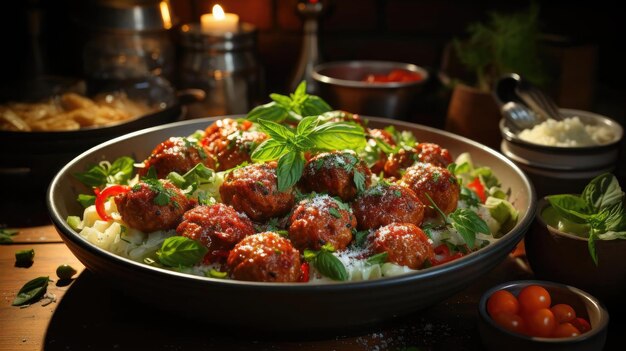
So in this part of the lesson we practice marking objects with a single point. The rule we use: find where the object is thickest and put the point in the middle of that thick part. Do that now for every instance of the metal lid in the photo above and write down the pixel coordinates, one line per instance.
(193, 37)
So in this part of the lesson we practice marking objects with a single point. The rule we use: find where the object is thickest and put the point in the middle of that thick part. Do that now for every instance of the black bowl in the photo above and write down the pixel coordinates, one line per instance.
(286, 306)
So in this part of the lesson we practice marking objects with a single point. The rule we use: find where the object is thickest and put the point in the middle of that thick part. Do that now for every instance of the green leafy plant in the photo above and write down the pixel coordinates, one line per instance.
(290, 108)
(599, 211)
(505, 43)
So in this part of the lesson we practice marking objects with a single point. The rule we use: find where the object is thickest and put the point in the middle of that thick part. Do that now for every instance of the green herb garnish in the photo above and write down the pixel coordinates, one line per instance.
(599, 207)
(104, 173)
(31, 291)
(180, 251)
(377, 259)
(6, 235)
(292, 108)
(24, 258)
(288, 146)
(326, 263)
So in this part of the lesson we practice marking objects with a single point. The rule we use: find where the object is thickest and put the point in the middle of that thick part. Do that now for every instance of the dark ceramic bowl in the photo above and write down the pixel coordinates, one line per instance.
(497, 338)
(341, 84)
(562, 257)
(286, 306)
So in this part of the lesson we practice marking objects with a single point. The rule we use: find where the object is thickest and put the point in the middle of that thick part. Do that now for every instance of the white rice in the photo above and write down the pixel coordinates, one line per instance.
(570, 132)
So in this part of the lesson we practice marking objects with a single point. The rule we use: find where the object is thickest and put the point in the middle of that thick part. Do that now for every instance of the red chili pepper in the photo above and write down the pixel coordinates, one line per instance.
(103, 195)
(304, 269)
(442, 250)
(478, 188)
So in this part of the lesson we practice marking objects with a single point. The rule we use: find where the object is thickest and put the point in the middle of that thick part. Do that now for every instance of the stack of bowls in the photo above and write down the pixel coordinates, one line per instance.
(558, 169)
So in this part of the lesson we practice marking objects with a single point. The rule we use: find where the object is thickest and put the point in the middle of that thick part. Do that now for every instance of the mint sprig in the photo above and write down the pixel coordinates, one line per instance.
(291, 108)
(288, 146)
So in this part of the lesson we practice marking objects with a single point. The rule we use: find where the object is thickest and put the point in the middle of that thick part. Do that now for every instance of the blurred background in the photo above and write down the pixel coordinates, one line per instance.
(580, 44)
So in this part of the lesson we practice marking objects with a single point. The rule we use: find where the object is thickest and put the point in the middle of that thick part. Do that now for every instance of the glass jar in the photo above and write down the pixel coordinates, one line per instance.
(224, 65)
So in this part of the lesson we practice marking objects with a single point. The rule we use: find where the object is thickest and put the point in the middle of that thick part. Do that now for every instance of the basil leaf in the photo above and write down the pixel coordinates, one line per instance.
(334, 212)
(314, 106)
(281, 100)
(609, 219)
(338, 136)
(300, 90)
(6, 235)
(31, 291)
(180, 251)
(469, 196)
(270, 149)
(377, 259)
(602, 191)
(330, 266)
(121, 170)
(468, 224)
(309, 255)
(306, 126)
(359, 180)
(276, 131)
(289, 170)
(95, 177)
(270, 112)
(570, 207)
(86, 200)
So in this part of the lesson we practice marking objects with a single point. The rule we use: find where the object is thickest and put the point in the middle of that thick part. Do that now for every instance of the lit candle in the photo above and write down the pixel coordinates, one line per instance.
(218, 21)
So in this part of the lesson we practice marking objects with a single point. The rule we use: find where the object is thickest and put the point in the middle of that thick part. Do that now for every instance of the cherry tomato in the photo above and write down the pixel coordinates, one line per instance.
(103, 195)
(581, 324)
(511, 322)
(563, 312)
(502, 301)
(540, 322)
(532, 298)
(565, 330)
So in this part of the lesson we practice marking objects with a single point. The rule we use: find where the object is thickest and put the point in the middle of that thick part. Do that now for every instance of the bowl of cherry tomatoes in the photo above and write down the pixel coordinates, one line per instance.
(541, 315)
(375, 88)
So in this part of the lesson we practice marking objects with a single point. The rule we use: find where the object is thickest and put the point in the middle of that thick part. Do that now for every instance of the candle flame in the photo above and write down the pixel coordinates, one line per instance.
(218, 12)
(165, 14)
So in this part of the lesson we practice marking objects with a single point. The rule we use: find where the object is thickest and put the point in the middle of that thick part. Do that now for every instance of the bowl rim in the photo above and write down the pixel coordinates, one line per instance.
(542, 204)
(318, 76)
(510, 136)
(602, 323)
(67, 233)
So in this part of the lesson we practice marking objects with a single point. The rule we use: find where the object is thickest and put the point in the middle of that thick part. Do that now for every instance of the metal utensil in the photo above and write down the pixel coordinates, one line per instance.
(518, 115)
(537, 100)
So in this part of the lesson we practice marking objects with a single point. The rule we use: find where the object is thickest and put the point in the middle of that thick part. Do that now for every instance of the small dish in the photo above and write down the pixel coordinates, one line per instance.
(562, 257)
(344, 85)
(496, 337)
(548, 166)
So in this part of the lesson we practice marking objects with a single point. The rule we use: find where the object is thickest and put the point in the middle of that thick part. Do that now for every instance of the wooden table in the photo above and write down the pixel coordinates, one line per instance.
(88, 315)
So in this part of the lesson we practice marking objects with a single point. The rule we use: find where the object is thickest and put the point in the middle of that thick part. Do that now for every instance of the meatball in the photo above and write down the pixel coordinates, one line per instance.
(320, 220)
(218, 227)
(385, 204)
(231, 143)
(405, 244)
(436, 182)
(253, 189)
(423, 152)
(334, 173)
(177, 155)
(153, 205)
(264, 257)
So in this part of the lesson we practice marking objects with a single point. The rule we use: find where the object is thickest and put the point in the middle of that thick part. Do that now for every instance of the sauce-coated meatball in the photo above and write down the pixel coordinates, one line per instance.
(437, 182)
(423, 152)
(253, 189)
(320, 220)
(264, 257)
(405, 244)
(218, 227)
(334, 173)
(153, 205)
(177, 155)
(231, 143)
(385, 204)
